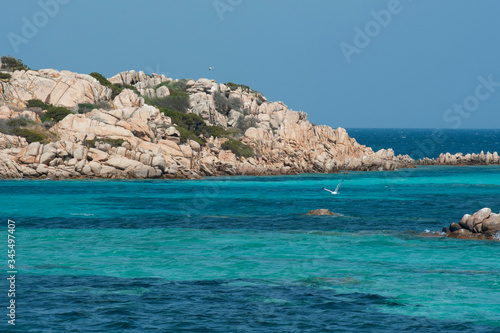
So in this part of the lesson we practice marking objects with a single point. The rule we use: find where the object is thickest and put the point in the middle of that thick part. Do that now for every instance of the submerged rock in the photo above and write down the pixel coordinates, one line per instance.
(321, 212)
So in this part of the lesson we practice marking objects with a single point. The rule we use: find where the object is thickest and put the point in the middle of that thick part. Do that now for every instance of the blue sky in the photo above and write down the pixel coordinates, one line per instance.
(407, 71)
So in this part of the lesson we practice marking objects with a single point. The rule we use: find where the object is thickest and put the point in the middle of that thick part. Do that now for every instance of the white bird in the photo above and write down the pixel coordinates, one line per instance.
(211, 68)
(336, 189)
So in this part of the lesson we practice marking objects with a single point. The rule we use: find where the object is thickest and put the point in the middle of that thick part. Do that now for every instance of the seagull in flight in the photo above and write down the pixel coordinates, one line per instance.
(211, 68)
(336, 189)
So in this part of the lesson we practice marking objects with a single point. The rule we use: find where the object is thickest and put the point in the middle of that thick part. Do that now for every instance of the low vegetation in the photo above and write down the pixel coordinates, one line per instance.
(112, 142)
(191, 126)
(32, 135)
(5, 76)
(12, 64)
(116, 89)
(53, 113)
(127, 86)
(234, 86)
(246, 123)
(87, 107)
(224, 104)
(180, 85)
(25, 128)
(178, 100)
(238, 148)
(10, 126)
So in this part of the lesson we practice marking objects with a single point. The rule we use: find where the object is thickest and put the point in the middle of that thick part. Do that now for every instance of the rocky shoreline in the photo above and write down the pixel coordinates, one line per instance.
(483, 224)
(123, 136)
(126, 131)
(462, 159)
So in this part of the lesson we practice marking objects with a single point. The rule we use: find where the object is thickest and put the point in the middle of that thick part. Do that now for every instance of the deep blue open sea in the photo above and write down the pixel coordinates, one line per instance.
(419, 143)
(238, 254)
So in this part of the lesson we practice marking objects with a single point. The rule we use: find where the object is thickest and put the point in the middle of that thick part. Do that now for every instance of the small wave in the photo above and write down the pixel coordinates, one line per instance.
(81, 214)
(427, 231)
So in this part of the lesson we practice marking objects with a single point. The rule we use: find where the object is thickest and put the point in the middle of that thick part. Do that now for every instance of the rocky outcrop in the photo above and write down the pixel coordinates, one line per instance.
(127, 98)
(283, 140)
(461, 159)
(481, 224)
(67, 159)
(62, 88)
(321, 212)
(12, 141)
(7, 113)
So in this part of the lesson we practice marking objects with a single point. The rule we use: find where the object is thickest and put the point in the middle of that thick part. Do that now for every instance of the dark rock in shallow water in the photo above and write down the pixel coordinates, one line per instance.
(461, 233)
(321, 212)
(481, 225)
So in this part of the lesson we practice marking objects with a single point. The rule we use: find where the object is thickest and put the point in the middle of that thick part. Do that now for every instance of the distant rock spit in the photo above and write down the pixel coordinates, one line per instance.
(461, 159)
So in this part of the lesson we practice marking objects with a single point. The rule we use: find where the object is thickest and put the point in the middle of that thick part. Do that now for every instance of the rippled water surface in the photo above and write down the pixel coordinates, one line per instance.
(240, 255)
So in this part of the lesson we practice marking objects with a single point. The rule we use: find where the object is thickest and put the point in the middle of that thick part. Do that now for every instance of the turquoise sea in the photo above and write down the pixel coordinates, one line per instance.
(238, 254)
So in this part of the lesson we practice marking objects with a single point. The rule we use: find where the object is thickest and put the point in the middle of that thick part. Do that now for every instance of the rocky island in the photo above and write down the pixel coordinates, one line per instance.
(60, 124)
(481, 224)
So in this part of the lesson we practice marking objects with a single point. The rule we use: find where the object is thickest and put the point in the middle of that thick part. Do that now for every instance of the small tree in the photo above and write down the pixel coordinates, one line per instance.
(13, 64)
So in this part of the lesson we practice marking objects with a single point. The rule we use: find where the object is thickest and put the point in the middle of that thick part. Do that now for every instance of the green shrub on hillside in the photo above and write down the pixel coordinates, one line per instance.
(235, 103)
(10, 126)
(5, 76)
(102, 80)
(19, 122)
(54, 113)
(177, 100)
(180, 85)
(105, 82)
(5, 128)
(216, 131)
(234, 86)
(36, 103)
(191, 126)
(246, 123)
(116, 89)
(87, 107)
(112, 142)
(238, 148)
(189, 135)
(128, 86)
(13, 64)
(31, 135)
(221, 103)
